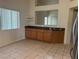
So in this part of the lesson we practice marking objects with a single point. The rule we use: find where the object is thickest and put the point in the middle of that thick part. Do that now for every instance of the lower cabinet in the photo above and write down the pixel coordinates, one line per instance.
(31, 33)
(40, 34)
(47, 36)
(37, 34)
(57, 36)
(53, 36)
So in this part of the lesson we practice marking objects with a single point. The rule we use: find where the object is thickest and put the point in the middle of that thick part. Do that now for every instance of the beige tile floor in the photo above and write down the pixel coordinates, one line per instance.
(30, 49)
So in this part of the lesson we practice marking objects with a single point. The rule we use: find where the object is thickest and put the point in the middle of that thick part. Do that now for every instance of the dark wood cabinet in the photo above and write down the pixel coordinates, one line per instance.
(57, 36)
(40, 35)
(47, 35)
(53, 35)
(31, 33)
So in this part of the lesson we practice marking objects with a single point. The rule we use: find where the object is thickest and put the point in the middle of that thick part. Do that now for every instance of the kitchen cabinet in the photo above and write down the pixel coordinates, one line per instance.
(53, 35)
(30, 33)
(57, 36)
(40, 34)
(47, 35)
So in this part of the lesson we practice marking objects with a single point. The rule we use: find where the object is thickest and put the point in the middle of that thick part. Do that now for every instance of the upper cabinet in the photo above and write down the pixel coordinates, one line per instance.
(46, 2)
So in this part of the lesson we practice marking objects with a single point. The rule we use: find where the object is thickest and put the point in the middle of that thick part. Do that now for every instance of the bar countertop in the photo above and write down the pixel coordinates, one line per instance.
(45, 27)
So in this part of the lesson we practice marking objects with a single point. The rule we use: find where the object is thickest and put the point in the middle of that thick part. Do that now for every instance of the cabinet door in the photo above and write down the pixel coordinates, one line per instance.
(55, 37)
(61, 36)
(47, 35)
(40, 35)
(58, 36)
(31, 33)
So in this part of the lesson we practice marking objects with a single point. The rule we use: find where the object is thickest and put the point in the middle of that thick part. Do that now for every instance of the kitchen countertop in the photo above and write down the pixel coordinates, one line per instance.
(45, 27)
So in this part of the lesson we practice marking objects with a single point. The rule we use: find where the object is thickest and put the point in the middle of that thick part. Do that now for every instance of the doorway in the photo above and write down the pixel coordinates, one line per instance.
(72, 15)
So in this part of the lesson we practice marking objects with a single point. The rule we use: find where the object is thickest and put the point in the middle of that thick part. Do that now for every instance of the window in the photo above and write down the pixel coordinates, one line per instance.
(9, 19)
(46, 20)
(51, 19)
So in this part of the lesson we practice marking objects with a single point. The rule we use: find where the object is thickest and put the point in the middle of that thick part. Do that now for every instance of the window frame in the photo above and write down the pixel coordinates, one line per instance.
(18, 19)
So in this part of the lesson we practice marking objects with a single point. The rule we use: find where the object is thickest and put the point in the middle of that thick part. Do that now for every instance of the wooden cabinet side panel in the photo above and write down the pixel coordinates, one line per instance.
(27, 34)
(30, 34)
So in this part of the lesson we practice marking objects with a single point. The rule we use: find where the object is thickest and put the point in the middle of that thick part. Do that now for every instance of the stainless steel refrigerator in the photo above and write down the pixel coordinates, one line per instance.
(74, 49)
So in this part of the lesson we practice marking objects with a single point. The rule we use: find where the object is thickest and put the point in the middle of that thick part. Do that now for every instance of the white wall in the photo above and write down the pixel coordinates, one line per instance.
(47, 2)
(9, 36)
(63, 16)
